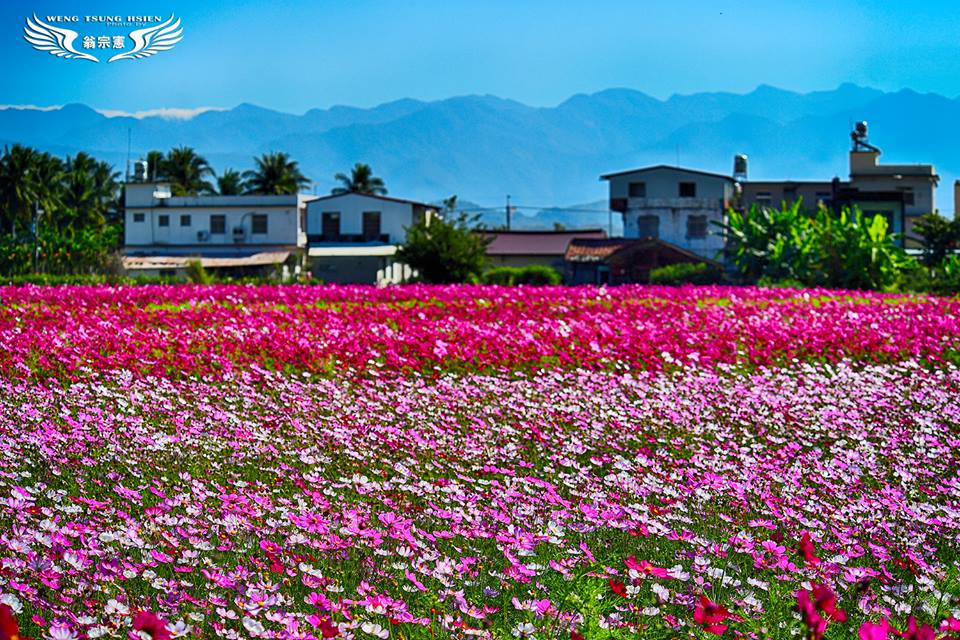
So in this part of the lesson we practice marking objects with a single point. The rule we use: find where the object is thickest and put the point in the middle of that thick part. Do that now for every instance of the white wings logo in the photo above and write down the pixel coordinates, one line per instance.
(152, 40)
(58, 41)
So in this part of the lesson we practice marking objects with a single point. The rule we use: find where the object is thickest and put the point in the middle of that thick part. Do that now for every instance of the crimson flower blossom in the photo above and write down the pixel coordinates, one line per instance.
(618, 588)
(823, 600)
(807, 550)
(9, 628)
(151, 624)
(710, 615)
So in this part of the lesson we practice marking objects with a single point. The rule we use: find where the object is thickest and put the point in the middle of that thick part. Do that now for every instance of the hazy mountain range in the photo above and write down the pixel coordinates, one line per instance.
(484, 147)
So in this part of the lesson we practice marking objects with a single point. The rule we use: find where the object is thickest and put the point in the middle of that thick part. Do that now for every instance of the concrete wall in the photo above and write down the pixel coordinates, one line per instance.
(555, 261)
(188, 219)
(713, 195)
(394, 216)
(283, 227)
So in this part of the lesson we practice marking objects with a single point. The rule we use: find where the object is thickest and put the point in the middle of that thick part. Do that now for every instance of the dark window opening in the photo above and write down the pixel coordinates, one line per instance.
(185, 220)
(688, 189)
(138, 217)
(330, 225)
(371, 225)
(638, 189)
(648, 226)
(218, 223)
(259, 223)
(163, 220)
(697, 226)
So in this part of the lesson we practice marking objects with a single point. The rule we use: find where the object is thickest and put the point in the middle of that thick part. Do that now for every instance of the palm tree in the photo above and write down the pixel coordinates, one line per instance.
(230, 183)
(187, 172)
(276, 174)
(154, 165)
(89, 191)
(28, 179)
(360, 180)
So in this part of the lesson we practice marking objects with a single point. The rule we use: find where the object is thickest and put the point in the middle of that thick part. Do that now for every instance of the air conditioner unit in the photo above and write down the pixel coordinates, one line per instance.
(203, 236)
(239, 233)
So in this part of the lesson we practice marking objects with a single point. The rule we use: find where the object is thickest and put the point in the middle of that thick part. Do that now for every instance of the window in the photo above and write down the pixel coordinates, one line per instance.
(696, 226)
(259, 223)
(688, 189)
(648, 226)
(163, 220)
(185, 220)
(790, 194)
(824, 196)
(764, 197)
(907, 195)
(638, 189)
(218, 223)
(330, 225)
(371, 225)
(138, 217)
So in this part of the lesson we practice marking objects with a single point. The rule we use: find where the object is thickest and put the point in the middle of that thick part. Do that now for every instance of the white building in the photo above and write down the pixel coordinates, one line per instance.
(673, 204)
(354, 236)
(247, 233)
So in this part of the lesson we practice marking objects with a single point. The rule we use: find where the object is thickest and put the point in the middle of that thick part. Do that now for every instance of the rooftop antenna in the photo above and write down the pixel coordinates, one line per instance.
(129, 138)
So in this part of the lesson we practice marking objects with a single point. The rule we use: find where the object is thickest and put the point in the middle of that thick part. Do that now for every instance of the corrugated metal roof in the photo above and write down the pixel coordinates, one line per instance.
(536, 243)
(135, 263)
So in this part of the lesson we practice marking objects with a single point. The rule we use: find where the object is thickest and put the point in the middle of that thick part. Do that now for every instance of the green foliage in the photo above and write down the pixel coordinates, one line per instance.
(825, 248)
(275, 174)
(360, 180)
(444, 249)
(197, 274)
(686, 273)
(230, 183)
(538, 275)
(187, 171)
(939, 238)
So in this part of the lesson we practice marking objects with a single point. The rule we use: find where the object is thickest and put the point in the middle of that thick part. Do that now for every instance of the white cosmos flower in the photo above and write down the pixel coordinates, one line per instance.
(252, 626)
(374, 630)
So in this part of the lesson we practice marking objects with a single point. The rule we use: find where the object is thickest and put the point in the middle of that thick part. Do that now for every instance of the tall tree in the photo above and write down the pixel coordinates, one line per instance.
(155, 165)
(444, 249)
(28, 179)
(187, 172)
(230, 183)
(275, 174)
(89, 190)
(360, 180)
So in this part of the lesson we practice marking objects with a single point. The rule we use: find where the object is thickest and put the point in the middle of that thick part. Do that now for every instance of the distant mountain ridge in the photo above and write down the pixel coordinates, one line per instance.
(484, 147)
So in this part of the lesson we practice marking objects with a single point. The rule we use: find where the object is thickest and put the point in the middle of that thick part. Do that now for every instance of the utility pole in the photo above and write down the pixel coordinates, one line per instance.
(37, 212)
(509, 212)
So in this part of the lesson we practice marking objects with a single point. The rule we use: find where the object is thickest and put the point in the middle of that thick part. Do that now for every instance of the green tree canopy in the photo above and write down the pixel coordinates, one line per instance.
(230, 183)
(187, 171)
(275, 174)
(360, 180)
(444, 249)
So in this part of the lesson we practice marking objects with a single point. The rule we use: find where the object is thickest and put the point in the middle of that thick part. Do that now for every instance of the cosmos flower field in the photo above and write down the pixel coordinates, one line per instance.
(478, 462)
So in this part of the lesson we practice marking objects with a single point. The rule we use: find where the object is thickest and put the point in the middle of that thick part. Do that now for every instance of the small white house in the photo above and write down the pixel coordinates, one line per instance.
(674, 204)
(353, 236)
(224, 232)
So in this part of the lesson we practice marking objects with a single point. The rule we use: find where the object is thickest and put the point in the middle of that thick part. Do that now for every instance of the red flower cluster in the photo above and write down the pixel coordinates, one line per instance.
(711, 616)
(812, 603)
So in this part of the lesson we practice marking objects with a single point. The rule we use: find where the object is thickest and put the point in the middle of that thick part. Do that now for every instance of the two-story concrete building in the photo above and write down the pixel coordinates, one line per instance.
(901, 192)
(241, 234)
(353, 236)
(680, 206)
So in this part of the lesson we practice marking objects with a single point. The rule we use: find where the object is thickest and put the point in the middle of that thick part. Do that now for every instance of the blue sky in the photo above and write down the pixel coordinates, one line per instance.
(296, 55)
